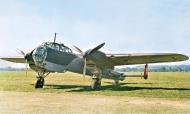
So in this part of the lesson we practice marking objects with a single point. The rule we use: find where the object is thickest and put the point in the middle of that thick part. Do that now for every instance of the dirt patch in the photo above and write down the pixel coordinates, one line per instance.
(34, 102)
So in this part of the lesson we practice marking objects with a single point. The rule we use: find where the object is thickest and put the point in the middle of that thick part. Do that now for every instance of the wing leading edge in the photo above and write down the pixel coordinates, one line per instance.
(130, 59)
(14, 59)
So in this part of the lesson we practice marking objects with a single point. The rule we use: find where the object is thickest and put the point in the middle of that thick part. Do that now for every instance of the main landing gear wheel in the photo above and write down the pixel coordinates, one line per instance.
(40, 79)
(39, 83)
(116, 83)
(96, 83)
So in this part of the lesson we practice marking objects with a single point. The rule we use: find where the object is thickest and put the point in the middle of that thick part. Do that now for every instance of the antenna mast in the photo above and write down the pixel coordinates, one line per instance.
(55, 37)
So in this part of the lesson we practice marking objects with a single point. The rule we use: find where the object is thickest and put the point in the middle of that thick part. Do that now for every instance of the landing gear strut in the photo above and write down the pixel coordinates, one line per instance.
(96, 80)
(96, 83)
(116, 82)
(40, 79)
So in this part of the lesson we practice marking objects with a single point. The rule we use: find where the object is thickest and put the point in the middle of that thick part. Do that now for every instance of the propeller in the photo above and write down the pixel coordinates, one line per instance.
(86, 54)
(21, 52)
(25, 57)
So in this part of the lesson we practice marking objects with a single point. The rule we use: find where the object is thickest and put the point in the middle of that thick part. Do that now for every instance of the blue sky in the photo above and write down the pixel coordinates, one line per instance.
(127, 26)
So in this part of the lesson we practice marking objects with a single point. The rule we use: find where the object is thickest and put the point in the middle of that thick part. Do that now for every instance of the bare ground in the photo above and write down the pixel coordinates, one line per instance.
(66, 103)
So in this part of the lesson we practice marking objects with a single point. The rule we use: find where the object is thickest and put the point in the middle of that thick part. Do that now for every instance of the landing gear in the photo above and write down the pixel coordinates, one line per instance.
(39, 83)
(96, 83)
(96, 80)
(146, 72)
(116, 82)
(40, 79)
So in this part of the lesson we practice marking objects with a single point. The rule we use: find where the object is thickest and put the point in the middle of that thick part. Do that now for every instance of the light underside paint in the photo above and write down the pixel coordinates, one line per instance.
(54, 67)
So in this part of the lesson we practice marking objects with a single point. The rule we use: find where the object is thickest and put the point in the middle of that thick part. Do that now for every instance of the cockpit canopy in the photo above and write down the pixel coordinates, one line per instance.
(58, 47)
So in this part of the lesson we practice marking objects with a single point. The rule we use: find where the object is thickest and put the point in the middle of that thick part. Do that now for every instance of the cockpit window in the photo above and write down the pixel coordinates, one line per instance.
(58, 47)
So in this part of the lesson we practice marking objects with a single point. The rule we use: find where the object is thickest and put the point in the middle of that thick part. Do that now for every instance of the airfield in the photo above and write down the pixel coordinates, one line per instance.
(167, 92)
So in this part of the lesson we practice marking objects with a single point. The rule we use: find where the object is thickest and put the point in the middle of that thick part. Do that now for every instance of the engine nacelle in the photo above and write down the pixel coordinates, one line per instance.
(111, 74)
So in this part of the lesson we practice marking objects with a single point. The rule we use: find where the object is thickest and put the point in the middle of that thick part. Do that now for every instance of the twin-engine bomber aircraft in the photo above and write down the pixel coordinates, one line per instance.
(52, 57)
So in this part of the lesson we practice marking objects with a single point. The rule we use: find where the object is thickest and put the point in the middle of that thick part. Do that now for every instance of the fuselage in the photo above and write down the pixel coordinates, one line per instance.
(54, 57)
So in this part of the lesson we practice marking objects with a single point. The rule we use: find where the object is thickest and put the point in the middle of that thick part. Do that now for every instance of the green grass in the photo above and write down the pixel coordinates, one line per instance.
(159, 85)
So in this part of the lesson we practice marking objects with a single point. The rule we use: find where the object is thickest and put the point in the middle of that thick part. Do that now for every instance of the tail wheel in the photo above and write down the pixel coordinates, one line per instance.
(146, 72)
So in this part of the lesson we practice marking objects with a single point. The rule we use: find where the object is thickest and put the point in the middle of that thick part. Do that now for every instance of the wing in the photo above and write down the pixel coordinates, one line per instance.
(130, 59)
(14, 59)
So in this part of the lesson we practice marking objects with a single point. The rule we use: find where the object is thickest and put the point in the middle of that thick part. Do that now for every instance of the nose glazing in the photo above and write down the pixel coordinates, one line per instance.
(39, 55)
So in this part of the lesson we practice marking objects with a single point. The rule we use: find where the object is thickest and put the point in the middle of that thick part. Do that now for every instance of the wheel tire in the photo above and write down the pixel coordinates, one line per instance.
(39, 83)
(42, 81)
(145, 77)
(96, 84)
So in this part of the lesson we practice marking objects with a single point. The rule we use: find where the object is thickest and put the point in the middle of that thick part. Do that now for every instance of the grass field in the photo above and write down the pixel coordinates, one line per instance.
(162, 93)
(159, 85)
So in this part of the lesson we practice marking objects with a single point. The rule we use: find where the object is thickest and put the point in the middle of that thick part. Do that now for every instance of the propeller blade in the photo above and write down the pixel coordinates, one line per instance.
(77, 49)
(98, 47)
(26, 70)
(21, 52)
(94, 49)
(84, 68)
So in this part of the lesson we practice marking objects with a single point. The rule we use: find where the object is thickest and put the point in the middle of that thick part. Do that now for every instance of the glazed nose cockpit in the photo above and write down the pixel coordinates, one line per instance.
(39, 55)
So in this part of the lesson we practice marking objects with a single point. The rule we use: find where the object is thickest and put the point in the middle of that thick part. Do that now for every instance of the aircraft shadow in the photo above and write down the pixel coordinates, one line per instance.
(130, 83)
(121, 87)
(66, 87)
(129, 88)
